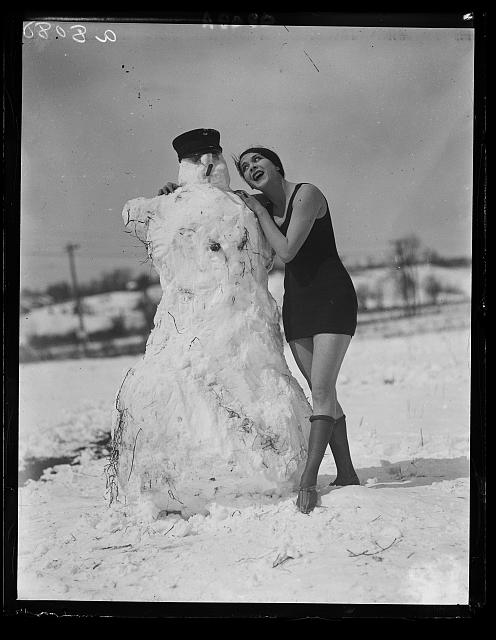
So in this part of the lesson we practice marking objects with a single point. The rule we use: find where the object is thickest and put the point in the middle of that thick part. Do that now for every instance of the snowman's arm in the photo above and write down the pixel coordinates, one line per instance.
(137, 214)
(140, 210)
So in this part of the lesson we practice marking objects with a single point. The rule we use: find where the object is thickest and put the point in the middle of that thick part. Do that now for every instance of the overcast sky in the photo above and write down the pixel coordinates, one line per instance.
(379, 119)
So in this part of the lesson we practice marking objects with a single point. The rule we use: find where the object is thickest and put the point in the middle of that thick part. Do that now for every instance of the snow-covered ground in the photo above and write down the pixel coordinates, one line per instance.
(401, 537)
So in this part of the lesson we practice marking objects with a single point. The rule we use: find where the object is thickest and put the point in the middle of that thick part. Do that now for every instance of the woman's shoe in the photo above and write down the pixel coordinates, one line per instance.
(342, 481)
(307, 499)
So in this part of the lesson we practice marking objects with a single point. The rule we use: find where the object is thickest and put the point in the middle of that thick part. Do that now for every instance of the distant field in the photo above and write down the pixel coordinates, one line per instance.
(380, 312)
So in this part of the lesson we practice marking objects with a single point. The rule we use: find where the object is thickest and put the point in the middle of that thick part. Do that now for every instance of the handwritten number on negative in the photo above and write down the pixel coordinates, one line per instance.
(107, 35)
(81, 33)
(44, 28)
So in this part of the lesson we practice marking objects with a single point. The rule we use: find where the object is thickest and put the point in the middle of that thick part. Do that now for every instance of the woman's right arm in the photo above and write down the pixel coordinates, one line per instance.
(306, 208)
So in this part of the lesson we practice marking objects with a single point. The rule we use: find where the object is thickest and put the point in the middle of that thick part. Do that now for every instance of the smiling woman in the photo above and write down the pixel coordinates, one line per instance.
(259, 154)
(319, 306)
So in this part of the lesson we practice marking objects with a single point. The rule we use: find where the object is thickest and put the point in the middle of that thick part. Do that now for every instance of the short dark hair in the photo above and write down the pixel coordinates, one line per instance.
(263, 151)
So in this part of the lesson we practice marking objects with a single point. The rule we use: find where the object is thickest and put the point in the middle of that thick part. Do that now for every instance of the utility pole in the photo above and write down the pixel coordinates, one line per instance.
(70, 248)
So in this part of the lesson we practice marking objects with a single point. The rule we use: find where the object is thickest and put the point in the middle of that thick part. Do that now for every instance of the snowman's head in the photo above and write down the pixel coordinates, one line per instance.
(200, 157)
(204, 168)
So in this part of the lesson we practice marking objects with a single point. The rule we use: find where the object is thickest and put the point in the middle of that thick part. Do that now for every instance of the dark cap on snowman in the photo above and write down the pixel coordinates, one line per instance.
(196, 141)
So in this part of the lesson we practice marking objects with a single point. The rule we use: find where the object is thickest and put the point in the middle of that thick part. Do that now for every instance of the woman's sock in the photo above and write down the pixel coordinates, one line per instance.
(338, 442)
(320, 435)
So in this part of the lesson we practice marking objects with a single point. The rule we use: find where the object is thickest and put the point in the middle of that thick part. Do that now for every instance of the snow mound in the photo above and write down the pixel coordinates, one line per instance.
(212, 399)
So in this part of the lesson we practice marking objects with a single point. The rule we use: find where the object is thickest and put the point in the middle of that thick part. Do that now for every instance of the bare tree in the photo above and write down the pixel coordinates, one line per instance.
(378, 295)
(146, 304)
(59, 291)
(115, 280)
(405, 257)
(363, 294)
(433, 287)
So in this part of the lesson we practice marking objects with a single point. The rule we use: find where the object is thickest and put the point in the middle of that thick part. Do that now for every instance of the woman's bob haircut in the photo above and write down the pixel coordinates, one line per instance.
(266, 153)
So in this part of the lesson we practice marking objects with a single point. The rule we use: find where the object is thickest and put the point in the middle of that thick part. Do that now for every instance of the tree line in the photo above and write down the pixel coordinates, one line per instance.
(404, 254)
(115, 280)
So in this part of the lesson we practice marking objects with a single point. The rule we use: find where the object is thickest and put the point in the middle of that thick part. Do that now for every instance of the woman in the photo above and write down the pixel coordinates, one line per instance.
(319, 306)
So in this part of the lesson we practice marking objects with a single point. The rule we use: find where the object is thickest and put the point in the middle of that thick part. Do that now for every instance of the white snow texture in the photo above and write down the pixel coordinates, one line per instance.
(212, 398)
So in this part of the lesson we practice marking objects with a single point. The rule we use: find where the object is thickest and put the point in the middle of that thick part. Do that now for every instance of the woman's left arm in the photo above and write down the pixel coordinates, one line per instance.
(307, 206)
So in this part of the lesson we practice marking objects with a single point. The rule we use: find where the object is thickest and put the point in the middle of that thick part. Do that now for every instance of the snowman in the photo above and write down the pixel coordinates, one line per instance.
(211, 412)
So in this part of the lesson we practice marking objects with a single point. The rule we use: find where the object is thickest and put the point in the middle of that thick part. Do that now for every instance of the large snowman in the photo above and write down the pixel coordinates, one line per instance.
(211, 412)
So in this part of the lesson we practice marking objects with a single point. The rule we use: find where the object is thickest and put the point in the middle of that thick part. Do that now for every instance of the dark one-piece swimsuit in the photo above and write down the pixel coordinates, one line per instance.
(319, 296)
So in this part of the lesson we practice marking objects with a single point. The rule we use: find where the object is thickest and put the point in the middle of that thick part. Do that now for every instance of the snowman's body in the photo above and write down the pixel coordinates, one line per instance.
(211, 409)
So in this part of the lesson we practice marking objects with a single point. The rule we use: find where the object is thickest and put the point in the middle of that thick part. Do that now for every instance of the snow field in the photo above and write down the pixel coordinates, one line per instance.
(403, 538)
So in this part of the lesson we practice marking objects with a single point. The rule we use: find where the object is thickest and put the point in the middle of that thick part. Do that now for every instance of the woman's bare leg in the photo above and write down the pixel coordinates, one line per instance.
(324, 370)
(302, 351)
(328, 353)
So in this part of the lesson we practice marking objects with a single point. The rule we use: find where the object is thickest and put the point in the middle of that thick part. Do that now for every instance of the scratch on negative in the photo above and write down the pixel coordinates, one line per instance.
(311, 60)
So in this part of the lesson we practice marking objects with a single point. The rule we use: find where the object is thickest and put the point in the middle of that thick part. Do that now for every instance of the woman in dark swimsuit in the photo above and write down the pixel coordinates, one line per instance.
(319, 306)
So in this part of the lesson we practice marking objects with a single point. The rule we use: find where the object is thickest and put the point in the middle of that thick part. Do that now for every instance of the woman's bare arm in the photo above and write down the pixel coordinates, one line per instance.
(307, 206)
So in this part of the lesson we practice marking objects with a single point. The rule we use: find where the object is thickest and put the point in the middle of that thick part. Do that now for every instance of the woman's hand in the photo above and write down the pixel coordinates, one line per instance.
(169, 187)
(252, 203)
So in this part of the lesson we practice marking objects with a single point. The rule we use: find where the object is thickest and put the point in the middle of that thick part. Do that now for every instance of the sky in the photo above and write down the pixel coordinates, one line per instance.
(380, 119)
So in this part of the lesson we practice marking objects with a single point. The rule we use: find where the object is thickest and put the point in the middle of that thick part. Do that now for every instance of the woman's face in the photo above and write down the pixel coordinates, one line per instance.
(257, 170)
